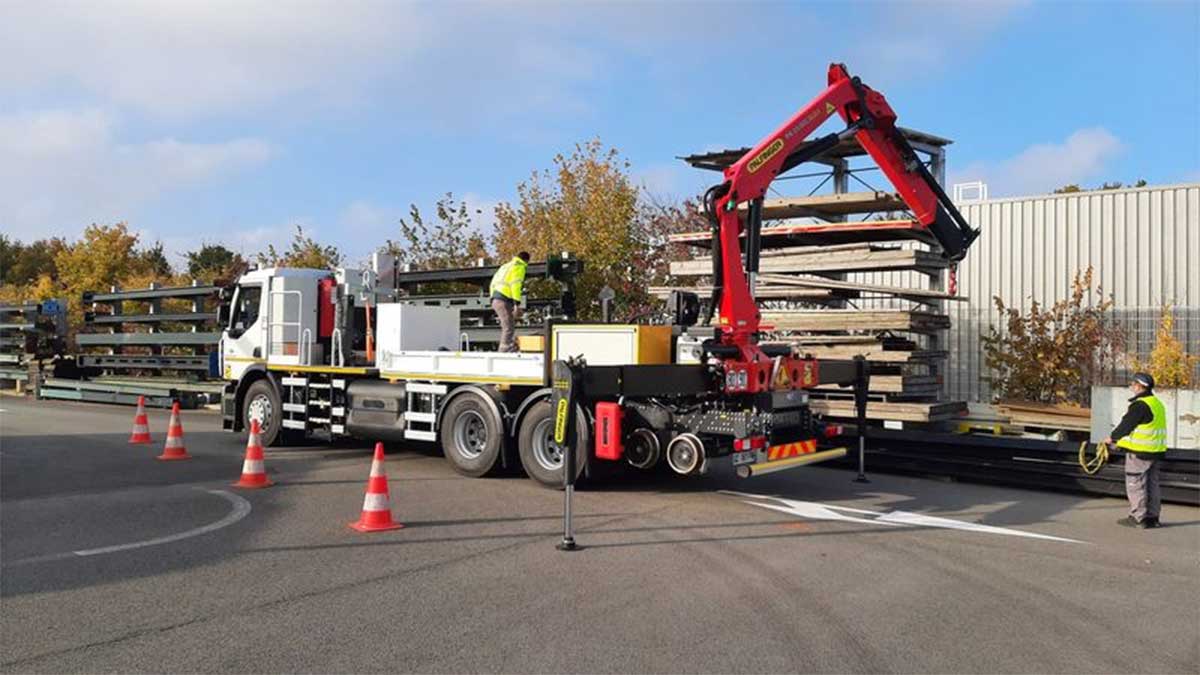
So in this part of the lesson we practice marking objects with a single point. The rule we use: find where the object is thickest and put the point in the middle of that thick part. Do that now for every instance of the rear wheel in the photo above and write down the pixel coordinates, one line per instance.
(261, 403)
(541, 460)
(472, 435)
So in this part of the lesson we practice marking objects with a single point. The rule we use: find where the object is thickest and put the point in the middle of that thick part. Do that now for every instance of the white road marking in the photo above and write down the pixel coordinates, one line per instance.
(817, 511)
(241, 508)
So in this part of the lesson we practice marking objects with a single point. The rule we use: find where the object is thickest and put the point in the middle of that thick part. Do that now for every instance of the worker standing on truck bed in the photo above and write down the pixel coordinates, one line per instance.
(506, 298)
(1142, 433)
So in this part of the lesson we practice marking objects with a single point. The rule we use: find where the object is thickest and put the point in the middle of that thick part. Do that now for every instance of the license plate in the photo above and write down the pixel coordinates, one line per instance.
(748, 457)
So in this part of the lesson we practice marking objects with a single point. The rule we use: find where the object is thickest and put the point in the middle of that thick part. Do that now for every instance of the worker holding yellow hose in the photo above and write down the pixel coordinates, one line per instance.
(1142, 434)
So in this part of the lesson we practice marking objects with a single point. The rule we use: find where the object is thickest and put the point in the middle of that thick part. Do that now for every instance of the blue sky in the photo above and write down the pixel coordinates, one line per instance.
(228, 122)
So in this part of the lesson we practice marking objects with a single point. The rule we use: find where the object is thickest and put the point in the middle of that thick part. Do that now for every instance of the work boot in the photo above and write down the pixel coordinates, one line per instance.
(1130, 521)
(1151, 523)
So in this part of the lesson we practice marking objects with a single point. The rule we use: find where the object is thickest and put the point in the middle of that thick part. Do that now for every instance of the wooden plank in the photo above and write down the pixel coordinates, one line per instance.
(1064, 409)
(890, 410)
(824, 320)
(823, 234)
(819, 282)
(857, 259)
(893, 384)
(818, 206)
(874, 355)
(808, 294)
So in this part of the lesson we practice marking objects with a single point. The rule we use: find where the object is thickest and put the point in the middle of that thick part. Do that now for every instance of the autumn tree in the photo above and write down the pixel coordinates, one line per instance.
(1052, 354)
(304, 252)
(1169, 364)
(586, 205)
(448, 242)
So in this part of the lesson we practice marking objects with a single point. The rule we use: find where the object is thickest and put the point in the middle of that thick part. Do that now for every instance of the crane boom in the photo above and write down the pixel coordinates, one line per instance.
(872, 122)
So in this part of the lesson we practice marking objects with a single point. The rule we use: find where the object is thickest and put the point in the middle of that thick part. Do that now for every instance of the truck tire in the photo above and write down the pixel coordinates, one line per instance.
(261, 402)
(539, 459)
(472, 435)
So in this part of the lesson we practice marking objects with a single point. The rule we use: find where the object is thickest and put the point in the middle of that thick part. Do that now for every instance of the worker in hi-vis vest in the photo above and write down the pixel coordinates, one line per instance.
(1142, 434)
(507, 298)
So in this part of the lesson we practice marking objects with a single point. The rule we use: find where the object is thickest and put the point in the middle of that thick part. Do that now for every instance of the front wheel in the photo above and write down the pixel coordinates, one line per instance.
(541, 460)
(261, 403)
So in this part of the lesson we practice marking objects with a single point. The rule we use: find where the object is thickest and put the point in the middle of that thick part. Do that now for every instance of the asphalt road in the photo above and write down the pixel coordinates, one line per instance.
(113, 562)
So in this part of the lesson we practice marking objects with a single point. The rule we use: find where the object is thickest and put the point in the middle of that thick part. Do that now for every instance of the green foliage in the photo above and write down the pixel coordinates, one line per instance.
(153, 261)
(449, 242)
(1106, 185)
(23, 264)
(1055, 354)
(214, 262)
(303, 253)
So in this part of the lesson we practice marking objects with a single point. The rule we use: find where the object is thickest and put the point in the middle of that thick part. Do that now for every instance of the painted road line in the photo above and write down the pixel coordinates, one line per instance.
(815, 511)
(241, 508)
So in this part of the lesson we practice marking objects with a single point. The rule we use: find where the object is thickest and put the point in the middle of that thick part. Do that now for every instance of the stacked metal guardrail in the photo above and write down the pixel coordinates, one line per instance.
(29, 332)
(132, 333)
(1021, 462)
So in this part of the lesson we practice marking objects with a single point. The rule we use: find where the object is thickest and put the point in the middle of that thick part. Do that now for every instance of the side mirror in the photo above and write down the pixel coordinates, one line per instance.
(223, 312)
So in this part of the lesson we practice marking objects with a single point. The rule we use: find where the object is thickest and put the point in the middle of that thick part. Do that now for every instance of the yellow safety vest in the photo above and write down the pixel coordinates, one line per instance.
(1151, 436)
(507, 280)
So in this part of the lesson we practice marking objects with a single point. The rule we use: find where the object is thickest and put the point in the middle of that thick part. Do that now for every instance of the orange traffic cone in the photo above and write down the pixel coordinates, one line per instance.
(141, 426)
(254, 472)
(174, 448)
(377, 508)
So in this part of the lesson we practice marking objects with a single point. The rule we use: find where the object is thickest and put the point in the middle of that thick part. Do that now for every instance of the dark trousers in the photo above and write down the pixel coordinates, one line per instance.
(1142, 486)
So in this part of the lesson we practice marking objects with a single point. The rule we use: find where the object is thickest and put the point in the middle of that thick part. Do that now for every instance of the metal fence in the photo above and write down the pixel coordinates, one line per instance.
(1143, 245)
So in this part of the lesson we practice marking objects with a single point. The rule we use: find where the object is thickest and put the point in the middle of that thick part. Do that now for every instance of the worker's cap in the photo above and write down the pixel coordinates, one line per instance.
(1144, 379)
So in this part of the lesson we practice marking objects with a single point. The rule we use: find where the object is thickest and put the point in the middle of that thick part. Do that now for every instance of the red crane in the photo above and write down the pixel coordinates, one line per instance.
(872, 122)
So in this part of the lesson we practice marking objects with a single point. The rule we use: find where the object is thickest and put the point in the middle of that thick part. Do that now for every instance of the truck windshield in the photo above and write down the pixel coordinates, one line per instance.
(245, 313)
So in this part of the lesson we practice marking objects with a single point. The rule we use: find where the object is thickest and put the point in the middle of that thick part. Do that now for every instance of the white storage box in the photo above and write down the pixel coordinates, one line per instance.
(404, 327)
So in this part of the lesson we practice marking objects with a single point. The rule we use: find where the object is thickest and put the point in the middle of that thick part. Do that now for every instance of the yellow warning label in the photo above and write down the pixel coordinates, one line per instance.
(782, 379)
(560, 422)
(829, 109)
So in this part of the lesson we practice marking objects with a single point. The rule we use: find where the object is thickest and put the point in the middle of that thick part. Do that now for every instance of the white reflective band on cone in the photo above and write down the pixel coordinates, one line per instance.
(253, 466)
(377, 468)
(376, 502)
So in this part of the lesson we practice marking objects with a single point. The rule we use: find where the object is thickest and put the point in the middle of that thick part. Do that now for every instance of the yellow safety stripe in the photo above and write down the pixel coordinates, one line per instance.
(476, 379)
(319, 369)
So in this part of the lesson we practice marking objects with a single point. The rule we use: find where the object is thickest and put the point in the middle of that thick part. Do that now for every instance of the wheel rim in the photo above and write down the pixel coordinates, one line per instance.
(470, 434)
(545, 453)
(260, 410)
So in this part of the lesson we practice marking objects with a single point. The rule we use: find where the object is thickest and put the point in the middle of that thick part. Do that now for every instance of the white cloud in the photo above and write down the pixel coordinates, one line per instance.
(451, 62)
(1084, 156)
(911, 39)
(66, 169)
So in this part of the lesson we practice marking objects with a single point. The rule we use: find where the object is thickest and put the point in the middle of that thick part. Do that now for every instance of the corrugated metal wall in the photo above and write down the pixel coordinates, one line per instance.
(1143, 244)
